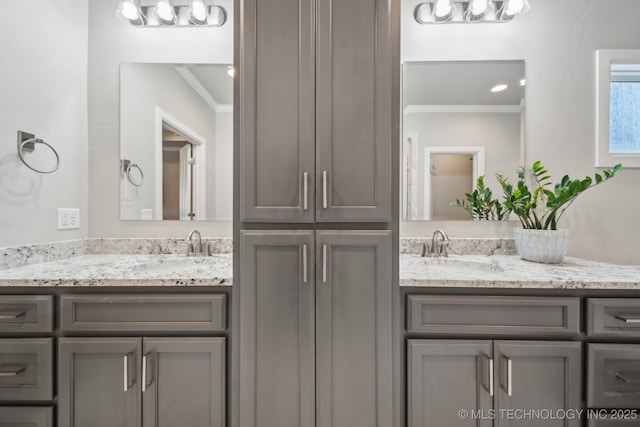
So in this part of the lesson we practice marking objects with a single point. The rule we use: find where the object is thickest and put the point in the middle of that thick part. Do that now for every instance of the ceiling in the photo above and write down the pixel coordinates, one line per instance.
(462, 82)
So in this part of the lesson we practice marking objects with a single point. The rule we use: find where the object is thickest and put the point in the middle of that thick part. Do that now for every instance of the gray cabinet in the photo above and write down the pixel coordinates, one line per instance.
(131, 382)
(316, 117)
(24, 416)
(315, 341)
(490, 381)
(26, 369)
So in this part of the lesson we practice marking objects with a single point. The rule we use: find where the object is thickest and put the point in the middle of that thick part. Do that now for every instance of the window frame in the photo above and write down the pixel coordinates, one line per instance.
(604, 59)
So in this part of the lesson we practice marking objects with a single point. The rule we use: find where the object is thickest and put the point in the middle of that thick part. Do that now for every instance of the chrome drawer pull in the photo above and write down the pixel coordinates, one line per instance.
(127, 384)
(305, 274)
(145, 384)
(305, 190)
(628, 318)
(13, 373)
(12, 316)
(325, 202)
(324, 263)
(629, 377)
(509, 389)
(490, 361)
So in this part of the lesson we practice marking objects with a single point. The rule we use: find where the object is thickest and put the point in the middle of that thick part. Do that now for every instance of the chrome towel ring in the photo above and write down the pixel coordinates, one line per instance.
(126, 167)
(27, 142)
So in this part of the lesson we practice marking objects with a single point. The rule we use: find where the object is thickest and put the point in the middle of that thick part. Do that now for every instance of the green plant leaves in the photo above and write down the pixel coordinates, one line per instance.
(542, 208)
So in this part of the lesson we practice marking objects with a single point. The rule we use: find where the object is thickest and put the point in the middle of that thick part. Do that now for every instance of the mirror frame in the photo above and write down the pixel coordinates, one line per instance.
(604, 59)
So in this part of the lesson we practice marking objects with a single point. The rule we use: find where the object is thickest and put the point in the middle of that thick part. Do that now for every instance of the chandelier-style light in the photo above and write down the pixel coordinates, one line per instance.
(155, 13)
(474, 11)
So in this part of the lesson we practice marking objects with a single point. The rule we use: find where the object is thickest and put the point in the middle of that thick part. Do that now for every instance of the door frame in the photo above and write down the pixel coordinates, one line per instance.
(199, 145)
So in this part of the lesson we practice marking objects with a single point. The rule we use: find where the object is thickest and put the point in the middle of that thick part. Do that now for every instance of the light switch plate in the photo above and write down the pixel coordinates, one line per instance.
(68, 219)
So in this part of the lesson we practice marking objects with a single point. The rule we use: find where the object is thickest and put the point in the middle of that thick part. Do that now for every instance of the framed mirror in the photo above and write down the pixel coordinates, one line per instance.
(176, 141)
(461, 120)
(618, 107)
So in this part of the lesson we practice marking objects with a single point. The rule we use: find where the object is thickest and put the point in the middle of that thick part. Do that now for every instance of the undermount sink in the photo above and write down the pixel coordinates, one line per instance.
(173, 264)
(461, 263)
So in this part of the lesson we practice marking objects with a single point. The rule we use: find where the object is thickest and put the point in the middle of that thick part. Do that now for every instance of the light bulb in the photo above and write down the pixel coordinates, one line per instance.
(231, 71)
(199, 10)
(499, 88)
(478, 7)
(442, 8)
(514, 7)
(130, 11)
(165, 11)
(523, 82)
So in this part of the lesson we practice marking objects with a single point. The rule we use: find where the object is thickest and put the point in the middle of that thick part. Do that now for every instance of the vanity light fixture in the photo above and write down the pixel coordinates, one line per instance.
(472, 11)
(178, 13)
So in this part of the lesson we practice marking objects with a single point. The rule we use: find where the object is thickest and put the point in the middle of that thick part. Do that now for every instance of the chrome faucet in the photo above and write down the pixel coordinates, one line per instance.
(437, 249)
(197, 249)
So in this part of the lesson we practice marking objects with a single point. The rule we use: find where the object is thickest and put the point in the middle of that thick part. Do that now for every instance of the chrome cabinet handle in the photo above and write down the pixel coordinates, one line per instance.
(324, 263)
(629, 377)
(305, 190)
(324, 190)
(628, 318)
(509, 375)
(13, 373)
(127, 384)
(145, 384)
(12, 316)
(305, 274)
(490, 361)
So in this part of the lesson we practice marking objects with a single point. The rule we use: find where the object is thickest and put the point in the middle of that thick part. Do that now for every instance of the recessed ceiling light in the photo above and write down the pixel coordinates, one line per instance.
(499, 88)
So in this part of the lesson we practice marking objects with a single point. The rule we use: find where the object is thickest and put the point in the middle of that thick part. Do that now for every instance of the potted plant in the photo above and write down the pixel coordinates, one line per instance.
(540, 209)
(481, 205)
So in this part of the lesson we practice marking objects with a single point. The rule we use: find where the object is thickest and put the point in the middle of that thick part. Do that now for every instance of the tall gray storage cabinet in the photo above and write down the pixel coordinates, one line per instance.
(314, 165)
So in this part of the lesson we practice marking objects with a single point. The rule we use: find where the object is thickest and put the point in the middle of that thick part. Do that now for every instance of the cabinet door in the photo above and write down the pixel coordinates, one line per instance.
(26, 416)
(184, 382)
(277, 100)
(99, 382)
(537, 375)
(354, 111)
(277, 378)
(445, 377)
(353, 342)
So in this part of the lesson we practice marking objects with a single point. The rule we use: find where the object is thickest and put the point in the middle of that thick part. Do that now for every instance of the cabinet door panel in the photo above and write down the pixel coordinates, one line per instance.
(540, 376)
(277, 133)
(185, 382)
(445, 377)
(91, 382)
(277, 378)
(354, 113)
(353, 312)
(26, 416)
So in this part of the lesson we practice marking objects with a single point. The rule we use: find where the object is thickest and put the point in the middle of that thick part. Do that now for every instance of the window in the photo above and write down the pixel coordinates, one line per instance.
(618, 108)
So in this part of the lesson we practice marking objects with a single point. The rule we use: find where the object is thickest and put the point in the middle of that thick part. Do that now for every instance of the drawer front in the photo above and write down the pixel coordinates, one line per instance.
(493, 315)
(26, 369)
(613, 376)
(613, 317)
(29, 313)
(143, 313)
(617, 418)
(24, 416)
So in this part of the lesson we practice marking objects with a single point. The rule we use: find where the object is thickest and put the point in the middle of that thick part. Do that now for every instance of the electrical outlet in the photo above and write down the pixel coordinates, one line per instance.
(68, 219)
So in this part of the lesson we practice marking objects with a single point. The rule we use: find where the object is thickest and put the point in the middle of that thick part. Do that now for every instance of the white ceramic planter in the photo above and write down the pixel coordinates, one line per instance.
(545, 246)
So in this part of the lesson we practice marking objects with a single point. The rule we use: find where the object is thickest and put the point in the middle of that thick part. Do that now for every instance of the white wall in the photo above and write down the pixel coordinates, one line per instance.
(223, 181)
(112, 42)
(43, 90)
(498, 133)
(557, 40)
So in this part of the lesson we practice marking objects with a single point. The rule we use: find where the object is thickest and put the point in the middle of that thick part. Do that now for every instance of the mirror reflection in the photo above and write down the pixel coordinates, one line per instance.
(176, 141)
(461, 120)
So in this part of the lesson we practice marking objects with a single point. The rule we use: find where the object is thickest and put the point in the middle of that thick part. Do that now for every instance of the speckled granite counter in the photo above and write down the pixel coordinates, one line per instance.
(509, 271)
(124, 270)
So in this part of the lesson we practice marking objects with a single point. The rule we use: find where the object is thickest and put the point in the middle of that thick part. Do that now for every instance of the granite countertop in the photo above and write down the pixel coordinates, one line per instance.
(477, 271)
(510, 271)
(124, 270)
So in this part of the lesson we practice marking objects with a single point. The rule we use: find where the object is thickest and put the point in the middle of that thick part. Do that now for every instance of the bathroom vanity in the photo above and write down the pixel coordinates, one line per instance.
(142, 338)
